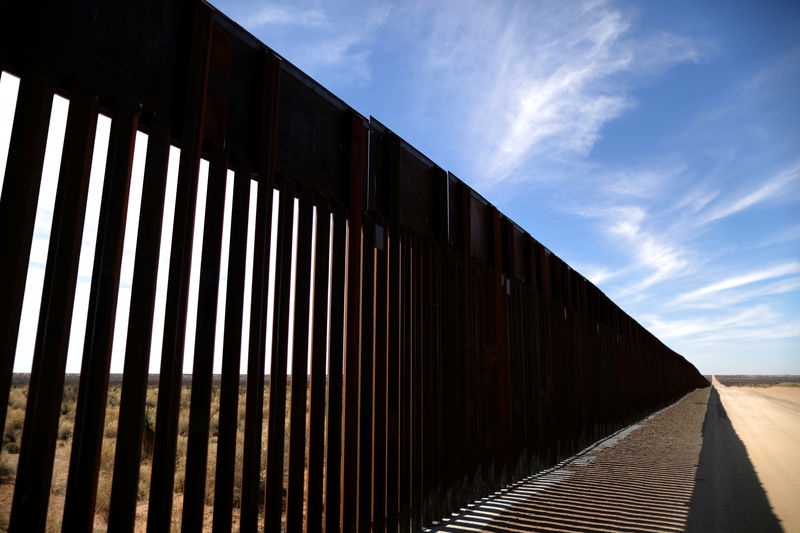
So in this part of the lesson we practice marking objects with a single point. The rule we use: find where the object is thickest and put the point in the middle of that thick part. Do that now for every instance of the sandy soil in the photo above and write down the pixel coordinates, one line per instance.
(767, 420)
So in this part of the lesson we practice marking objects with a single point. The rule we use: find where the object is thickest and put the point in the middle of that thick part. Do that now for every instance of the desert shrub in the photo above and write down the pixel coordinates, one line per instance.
(186, 397)
(149, 418)
(15, 419)
(68, 409)
(113, 395)
(12, 447)
(107, 455)
(6, 470)
(112, 416)
(70, 392)
(213, 425)
(17, 398)
(180, 465)
(64, 430)
(69, 401)
(152, 397)
(103, 503)
(183, 422)
(149, 435)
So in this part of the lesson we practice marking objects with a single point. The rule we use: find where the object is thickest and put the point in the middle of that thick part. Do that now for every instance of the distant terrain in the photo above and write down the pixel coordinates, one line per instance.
(759, 380)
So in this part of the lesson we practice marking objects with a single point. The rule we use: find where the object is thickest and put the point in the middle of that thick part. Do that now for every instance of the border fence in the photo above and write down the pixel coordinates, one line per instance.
(459, 354)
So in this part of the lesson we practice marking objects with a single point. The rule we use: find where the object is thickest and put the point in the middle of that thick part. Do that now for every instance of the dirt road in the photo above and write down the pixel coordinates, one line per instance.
(767, 420)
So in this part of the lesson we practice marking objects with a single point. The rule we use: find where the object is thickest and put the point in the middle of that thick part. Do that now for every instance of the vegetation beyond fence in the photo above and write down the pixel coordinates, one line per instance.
(448, 353)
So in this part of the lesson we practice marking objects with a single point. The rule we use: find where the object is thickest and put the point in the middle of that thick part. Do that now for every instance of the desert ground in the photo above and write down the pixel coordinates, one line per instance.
(12, 435)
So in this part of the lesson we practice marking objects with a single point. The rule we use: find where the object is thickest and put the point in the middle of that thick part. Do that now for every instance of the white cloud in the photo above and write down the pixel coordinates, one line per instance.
(786, 235)
(776, 73)
(328, 44)
(597, 274)
(272, 14)
(774, 187)
(759, 335)
(697, 199)
(538, 82)
(755, 316)
(654, 257)
(731, 298)
(740, 280)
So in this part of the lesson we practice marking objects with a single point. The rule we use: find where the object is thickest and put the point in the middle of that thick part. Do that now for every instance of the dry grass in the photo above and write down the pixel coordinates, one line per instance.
(13, 432)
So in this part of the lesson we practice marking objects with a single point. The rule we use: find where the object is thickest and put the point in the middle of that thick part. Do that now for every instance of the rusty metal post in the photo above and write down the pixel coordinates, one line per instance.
(231, 355)
(87, 441)
(194, 492)
(162, 479)
(18, 210)
(316, 425)
(297, 417)
(273, 504)
(379, 382)
(254, 400)
(353, 327)
(130, 426)
(55, 315)
(333, 479)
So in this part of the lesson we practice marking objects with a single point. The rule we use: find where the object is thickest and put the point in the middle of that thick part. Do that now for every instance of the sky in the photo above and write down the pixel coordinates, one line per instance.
(653, 146)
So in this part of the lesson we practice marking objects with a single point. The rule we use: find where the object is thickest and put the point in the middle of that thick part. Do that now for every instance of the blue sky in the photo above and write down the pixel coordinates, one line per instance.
(654, 146)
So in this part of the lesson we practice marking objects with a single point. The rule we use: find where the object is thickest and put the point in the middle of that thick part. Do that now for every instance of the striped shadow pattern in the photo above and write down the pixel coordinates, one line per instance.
(639, 479)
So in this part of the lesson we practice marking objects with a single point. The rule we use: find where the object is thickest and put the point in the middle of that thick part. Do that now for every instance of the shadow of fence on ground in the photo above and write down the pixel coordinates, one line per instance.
(588, 493)
(728, 495)
(641, 478)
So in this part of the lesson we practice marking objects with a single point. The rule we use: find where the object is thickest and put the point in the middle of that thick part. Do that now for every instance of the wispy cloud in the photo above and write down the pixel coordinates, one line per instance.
(753, 334)
(542, 80)
(774, 187)
(728, 299)
(330, 44)
(741, 280)
(753, 325)
(777, 72)
(653, 257)
(786, 235)
(272, 14)
(597, 274)
(756, 316)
